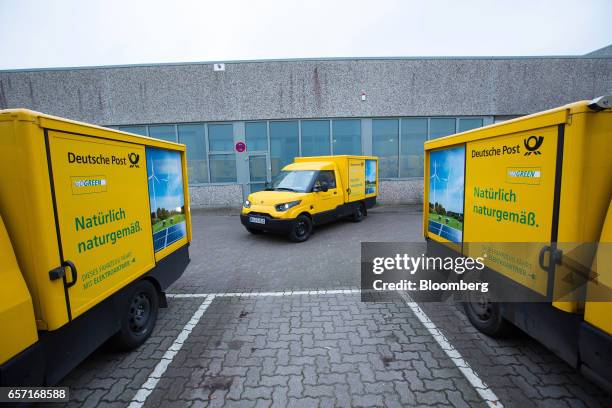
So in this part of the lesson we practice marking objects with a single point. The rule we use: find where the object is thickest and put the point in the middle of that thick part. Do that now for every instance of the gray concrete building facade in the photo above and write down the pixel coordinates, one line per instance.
(286, 108)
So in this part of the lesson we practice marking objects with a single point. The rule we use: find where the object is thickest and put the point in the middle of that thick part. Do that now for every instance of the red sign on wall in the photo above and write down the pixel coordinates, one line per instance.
(240, 147)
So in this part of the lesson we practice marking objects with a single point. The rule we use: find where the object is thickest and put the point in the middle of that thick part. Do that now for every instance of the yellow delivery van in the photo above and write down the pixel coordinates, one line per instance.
(313, 191)
(531, 196)
(94, 226)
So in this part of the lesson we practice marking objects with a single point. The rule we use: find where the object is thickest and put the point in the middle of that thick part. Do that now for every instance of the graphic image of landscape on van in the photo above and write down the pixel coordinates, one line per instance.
(166, 197)
(446, 185)
(370, 176)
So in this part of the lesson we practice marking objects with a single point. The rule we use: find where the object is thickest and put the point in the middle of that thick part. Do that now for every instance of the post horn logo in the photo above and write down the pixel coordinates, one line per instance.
(533, 144)
(134, 158)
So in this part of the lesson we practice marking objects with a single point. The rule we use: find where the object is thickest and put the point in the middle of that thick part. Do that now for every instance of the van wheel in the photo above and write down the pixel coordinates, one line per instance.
(139, 316)
(254, 231)
(359, 213)
(487, 318)
(302, 228)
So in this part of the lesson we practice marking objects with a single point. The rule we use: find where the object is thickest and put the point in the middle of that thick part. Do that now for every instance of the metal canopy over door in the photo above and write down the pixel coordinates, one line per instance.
(102, 213)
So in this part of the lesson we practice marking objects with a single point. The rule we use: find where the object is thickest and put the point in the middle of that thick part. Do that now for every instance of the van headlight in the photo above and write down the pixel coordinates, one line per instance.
(247, 204)
(286, 206)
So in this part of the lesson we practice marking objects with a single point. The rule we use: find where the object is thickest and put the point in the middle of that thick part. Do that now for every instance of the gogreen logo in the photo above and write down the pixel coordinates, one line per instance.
(134, 158)
(533, 144)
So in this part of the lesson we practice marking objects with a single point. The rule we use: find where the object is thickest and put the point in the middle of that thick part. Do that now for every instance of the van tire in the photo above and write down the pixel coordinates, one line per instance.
(359, 213)
(139, 315)
(487, 318)
(302, 228)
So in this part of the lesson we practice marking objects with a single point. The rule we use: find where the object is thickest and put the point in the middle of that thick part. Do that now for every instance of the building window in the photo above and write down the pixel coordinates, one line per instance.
(385, 145)
(283, 144)
(315, 138)
(414, 134)
(193, 137)
(139, 130)
(468, 124)
(221, 137)
(256, 135)
(346, 134)
(440, 127)
(222, 166)
(164, 132)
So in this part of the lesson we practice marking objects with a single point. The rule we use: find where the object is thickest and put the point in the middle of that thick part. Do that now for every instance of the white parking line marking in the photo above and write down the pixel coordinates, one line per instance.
(481, 388)
(147, 388)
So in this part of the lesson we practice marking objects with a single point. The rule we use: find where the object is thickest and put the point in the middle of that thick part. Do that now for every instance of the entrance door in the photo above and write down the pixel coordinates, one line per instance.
(259, 172)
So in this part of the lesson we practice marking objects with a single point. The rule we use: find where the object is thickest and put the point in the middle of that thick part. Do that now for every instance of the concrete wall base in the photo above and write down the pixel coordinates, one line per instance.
(391, 192)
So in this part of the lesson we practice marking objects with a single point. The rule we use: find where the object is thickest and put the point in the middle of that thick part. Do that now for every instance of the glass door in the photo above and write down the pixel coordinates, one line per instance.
(259, 171)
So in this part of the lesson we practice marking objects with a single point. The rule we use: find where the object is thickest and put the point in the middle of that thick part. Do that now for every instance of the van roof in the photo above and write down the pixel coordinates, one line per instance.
(310, 165)
(549, 117)
(72, 126)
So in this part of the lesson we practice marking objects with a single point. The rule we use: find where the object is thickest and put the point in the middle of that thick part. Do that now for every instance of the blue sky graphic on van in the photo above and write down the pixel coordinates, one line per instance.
(166, 196)
(446, 189)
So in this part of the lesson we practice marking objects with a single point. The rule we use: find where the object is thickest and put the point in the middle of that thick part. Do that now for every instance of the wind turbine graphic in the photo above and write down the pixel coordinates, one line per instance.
(154, 179)
(447, 180)
(435, 178)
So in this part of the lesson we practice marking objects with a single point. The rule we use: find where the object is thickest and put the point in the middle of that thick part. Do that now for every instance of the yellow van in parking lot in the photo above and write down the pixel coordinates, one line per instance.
(94, 226)
(313, 191)
(532, 197)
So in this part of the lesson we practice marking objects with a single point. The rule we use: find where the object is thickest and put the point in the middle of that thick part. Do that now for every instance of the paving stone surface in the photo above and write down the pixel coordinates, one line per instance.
(317, 350)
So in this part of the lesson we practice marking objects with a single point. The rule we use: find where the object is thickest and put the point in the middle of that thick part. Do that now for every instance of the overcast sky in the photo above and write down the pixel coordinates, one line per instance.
(63, 33)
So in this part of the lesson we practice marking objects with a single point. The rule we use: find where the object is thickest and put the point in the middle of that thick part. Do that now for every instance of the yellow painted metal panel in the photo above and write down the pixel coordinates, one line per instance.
(103, 213)
(16, 311)
(25, 205)
(356, 179)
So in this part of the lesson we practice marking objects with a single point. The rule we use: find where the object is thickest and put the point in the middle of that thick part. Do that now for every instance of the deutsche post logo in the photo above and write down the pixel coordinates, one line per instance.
(533, 144)
(134, 158)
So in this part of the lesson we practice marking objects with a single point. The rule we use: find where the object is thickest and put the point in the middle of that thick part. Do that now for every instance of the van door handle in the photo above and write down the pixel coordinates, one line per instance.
(335, 192)
(73, 270)
(556, 255)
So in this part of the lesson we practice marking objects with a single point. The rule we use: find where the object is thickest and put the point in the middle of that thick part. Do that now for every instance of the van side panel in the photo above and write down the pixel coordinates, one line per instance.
(27, 210)
(16, 311)
(586, 190)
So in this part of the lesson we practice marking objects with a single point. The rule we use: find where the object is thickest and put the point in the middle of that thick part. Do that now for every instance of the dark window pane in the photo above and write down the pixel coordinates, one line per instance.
(283, 144)
(256, 136)
(221, 138)
(327, 176)
(222, 168)
(385, 145)
(164, 132)
(315, 138)
(467, 124)
(139, 130)
(346, 136)
(414, 134)
(192, 136)
(439, 127)
(257, 168)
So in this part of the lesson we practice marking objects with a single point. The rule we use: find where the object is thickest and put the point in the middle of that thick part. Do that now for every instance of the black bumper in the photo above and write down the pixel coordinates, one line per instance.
(272, 224)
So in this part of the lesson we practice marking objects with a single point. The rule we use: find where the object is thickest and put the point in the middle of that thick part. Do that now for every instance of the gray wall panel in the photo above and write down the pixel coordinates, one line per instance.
(307, 89)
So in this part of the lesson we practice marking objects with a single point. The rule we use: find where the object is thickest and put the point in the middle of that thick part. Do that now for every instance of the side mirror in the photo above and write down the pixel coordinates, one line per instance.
(324, 186)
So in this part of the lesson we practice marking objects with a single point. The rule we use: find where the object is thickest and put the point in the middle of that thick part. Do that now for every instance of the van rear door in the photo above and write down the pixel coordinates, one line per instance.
(103, 216)
(356, 180)
(512, 193)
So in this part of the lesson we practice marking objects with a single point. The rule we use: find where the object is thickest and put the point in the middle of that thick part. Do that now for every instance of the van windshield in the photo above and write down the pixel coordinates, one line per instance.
(296, 180)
